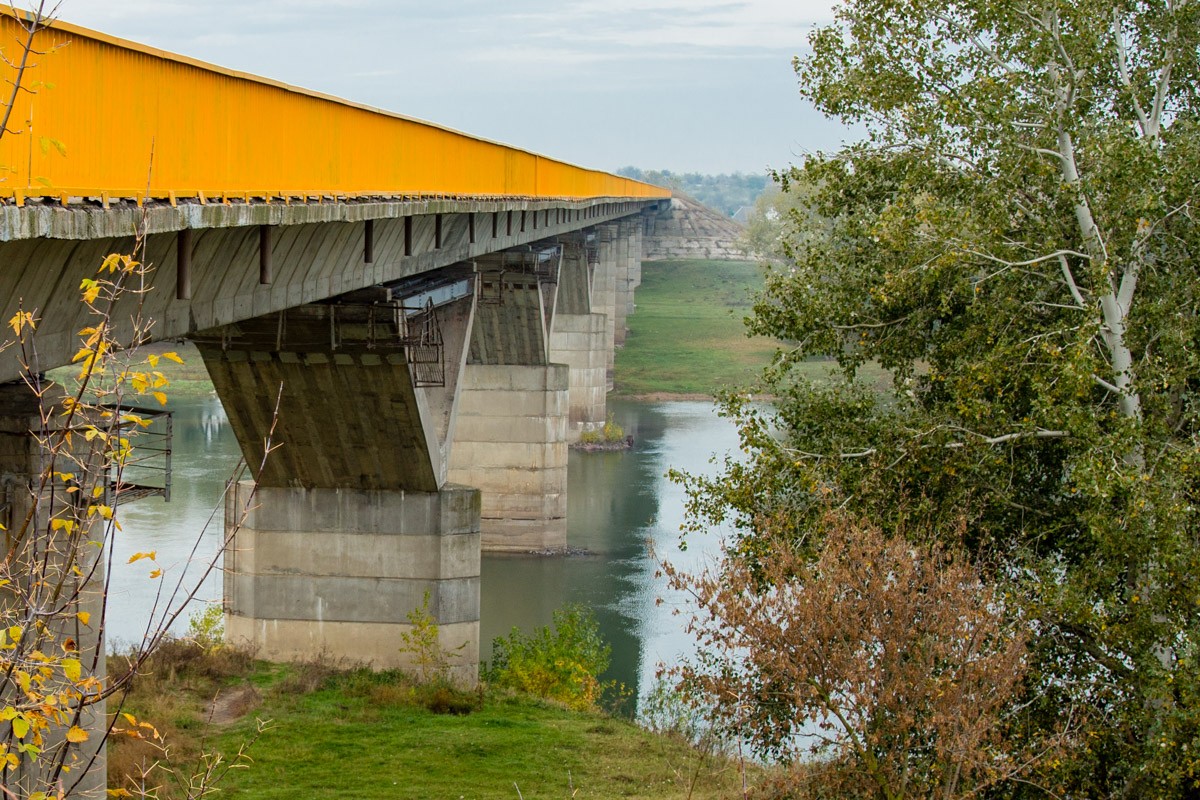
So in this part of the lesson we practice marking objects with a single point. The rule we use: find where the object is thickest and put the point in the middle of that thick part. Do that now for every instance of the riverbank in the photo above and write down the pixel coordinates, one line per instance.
(687, 338)
(371, 735)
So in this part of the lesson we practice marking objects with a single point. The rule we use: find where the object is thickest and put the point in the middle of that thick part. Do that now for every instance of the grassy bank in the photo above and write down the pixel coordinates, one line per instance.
(687, 335)
(379, 735)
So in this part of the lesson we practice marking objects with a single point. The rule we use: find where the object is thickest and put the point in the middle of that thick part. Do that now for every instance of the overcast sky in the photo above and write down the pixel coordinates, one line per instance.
(685, 85)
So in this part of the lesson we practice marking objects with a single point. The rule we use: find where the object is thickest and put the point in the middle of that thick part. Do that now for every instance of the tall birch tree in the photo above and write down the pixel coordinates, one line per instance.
(1016, 240)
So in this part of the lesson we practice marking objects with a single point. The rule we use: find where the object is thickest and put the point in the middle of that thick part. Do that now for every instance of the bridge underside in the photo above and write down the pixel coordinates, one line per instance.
(403, 378)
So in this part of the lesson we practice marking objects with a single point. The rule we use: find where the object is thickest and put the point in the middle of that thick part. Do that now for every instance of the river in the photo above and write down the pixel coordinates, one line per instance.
(621, 510)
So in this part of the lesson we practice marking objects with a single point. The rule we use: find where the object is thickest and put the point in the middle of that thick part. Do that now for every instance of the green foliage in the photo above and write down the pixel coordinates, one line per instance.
(687, 336)
(1016, 242)
(206, 627)
(423, 643)
(562, 662)
(725, 193)
(613, 432)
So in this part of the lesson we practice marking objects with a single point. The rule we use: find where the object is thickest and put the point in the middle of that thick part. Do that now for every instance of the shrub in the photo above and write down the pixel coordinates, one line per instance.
(561, 662)
(613, 432)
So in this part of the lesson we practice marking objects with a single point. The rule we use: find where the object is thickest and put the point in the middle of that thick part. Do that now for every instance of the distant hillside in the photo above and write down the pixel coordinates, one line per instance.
(725, 193)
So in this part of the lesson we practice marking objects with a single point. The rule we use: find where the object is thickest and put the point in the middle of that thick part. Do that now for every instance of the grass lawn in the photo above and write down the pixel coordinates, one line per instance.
(687, 335)
(363, 735)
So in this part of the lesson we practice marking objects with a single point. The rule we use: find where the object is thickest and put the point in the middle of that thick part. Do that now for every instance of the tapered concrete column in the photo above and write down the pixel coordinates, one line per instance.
(578, 340)
(351, 521)
(336, 571)
(511, 434)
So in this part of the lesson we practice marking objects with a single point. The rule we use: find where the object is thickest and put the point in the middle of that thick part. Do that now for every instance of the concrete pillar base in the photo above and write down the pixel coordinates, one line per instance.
(511, 443)
(578, 341)
(335, 573)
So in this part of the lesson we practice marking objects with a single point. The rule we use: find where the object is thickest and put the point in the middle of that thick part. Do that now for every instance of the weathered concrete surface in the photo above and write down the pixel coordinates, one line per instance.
(629, 275)
(337, 571)
(685, 228)
(610, 255)
(578, 341)
(511, 443)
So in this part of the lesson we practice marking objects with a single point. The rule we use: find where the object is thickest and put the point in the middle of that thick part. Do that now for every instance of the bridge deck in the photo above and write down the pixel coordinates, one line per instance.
(111, 119)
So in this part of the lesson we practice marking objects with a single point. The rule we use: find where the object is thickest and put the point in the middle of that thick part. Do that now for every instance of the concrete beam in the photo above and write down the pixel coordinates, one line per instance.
(317, 251)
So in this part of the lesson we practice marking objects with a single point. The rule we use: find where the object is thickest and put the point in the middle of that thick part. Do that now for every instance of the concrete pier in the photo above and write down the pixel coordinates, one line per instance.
(350, 522)
(335, 572)
(610, 258)
(578, 340)
(510, 438)
(511, 442)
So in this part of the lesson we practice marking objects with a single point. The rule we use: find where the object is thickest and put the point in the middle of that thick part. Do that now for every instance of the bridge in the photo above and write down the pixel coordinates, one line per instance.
(435, 315)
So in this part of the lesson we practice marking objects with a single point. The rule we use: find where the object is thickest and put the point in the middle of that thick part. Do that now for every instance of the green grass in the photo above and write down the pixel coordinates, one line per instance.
(687, 334)
(370, 735)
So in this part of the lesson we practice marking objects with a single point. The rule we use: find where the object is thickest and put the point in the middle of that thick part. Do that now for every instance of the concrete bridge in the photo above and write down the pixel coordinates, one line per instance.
(435, 315)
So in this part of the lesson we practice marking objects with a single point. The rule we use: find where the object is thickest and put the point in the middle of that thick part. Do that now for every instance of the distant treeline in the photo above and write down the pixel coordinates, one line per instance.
(725, 193)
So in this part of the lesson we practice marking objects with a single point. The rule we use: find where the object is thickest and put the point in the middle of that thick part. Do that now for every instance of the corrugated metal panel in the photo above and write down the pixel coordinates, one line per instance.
(137, 122)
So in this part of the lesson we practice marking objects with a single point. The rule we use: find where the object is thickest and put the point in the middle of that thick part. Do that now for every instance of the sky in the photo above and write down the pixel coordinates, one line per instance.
(684, 85)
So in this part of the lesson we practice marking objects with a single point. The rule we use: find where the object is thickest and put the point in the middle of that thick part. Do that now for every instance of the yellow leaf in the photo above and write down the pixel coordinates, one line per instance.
(173, 356)
(152, 555)
(119, 793)
(161, 397)
(110, 262)
(153, 359)
(155, 574)
(72, 668)
(20, 727)
(84, 617)
(23, 319)
(76, 735)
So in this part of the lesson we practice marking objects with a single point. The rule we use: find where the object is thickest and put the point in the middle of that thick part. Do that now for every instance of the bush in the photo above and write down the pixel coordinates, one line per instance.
(561, 663)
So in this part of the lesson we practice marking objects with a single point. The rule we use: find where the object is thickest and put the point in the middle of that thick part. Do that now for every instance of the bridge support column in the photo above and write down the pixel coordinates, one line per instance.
(511, 442)
(337, 571)
(604, 289)
(350, 523)
(511, 436)
(629, 274)
(578, 340)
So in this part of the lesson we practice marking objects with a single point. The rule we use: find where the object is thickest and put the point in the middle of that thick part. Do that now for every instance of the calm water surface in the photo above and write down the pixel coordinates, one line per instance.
(620, 509)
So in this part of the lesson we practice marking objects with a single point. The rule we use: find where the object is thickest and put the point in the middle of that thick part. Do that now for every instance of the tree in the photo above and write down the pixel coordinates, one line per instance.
(876, 669)
(1016, 241)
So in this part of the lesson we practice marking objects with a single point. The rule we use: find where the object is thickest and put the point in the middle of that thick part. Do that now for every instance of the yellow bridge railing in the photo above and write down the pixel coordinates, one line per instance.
(110, 119)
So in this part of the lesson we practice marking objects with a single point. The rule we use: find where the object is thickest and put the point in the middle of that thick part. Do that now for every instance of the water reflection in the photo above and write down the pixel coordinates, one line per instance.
(620, 504)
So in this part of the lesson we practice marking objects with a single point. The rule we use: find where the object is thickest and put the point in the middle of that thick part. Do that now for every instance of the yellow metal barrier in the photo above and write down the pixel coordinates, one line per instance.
(114, 119)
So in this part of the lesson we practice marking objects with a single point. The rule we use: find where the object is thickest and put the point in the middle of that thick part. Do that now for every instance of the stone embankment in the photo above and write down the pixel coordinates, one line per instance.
(687, 229)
